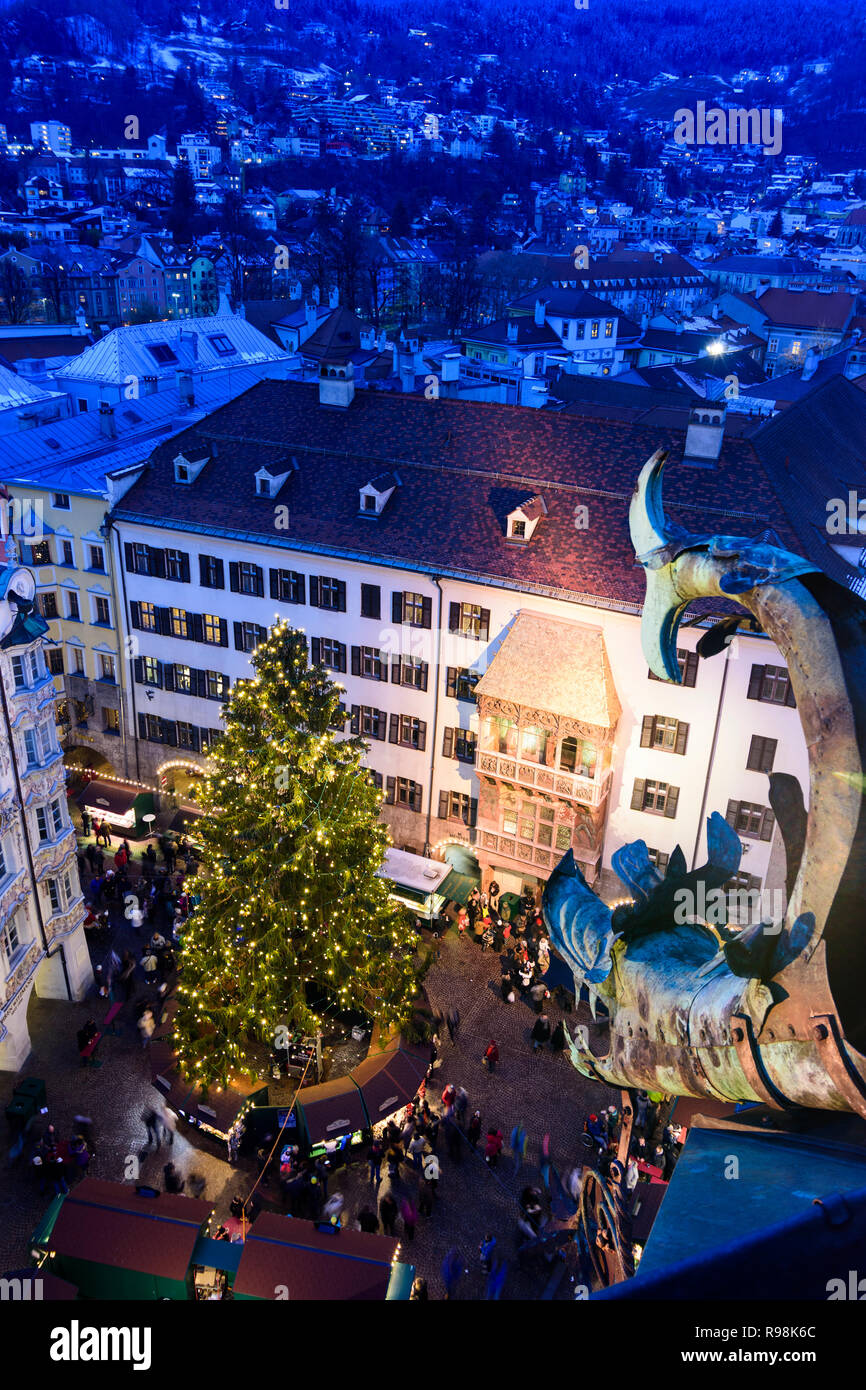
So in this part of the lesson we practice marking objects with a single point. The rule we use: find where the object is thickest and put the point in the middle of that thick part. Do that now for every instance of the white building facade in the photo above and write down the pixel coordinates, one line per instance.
(42, 941)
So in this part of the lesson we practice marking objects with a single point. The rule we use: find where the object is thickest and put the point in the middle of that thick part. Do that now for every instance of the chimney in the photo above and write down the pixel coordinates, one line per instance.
(107, 422)
(334, 298)
(705, 434)
(715, 311)
(368, 339)
(540, 310)
(185, 389)
(150, 384)
(336, 384)
(511, 330)
(451, 366)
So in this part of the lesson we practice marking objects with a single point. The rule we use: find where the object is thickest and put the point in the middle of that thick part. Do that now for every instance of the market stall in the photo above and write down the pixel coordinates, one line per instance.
(112, 1242)
(332, 1117)
(122, 804)
(296, 1260)
(219, 1112)
(389, 1077)
(418, 881)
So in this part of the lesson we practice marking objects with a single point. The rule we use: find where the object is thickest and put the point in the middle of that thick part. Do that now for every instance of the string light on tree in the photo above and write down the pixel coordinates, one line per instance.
(292, 906)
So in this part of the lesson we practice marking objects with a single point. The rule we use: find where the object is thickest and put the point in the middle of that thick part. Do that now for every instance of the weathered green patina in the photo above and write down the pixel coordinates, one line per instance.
(776, 1012)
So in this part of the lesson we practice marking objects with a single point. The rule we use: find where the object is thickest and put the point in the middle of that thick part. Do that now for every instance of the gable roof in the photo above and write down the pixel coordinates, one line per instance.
(806, 308)
(126, 351)
(573, 657)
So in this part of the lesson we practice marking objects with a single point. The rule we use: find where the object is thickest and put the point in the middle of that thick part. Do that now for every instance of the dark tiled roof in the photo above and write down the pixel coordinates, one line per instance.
(454, 459)
(813, 451)
(797, 309)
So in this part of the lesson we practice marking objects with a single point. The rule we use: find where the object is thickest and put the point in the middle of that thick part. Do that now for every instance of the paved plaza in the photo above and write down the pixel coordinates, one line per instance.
(542, 1091)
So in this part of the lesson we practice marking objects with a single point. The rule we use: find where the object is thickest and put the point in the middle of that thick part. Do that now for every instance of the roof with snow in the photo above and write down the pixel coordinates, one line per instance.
(160, 349)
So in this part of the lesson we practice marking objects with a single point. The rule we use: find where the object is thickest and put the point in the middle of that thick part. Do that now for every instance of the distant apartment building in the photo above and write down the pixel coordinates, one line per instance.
(55, 135)
(199, 153)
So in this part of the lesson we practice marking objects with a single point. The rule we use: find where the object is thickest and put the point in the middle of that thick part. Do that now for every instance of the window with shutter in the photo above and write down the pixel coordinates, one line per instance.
(314, 590)
(448, 744)
(646, 733)
(394, 729)
(762, 754)
(670, 807)
(443, 805)
(638, 794)
(688, 664)
(390, 790)
(451, 681)
(211, 574)
(371, 601)
(315, 650)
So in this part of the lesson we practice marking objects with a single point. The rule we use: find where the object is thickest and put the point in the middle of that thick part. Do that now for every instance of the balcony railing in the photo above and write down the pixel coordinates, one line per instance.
(570, 785)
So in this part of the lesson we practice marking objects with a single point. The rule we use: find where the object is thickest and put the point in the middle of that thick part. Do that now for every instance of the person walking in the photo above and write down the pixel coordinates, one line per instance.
(538, 993)
(558, 1038)
(493, 1146)
(368, 1220)
(473, 1129)
(453, 1141)
(173, 1180)
(518, 1146)
(374, 1156)
(491, 1056)
(452, 1270)
(417, 1145)
(461, 1105)
(409, 1213)
(388, 1214)
(431, 1173)
(146, 1027)
(540, 1032)
(485, 1252)
(151, 1120)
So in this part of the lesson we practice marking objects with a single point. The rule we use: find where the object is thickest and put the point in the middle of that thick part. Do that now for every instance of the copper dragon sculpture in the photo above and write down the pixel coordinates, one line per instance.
(776, 1012)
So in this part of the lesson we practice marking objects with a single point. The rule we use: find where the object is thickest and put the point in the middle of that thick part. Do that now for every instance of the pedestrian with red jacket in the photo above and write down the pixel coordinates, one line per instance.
(491, 1056)
(493, 1146)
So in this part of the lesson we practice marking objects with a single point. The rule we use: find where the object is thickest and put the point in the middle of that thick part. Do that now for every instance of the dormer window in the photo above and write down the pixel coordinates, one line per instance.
(188, 465)
(373, 497)
(522, 521)
(268, 484)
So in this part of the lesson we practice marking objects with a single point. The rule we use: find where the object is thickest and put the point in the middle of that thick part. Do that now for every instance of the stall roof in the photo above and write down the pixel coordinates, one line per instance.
(414, 871)
(108, 1223)
(332, 1109)
(389, 1080)
(117, 797)
(313, 1265)
(217, 1254)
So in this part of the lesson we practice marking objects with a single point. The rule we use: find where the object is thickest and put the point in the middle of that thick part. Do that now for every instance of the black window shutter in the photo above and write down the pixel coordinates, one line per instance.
(396, 669)
(646, 732)
(768, 821)
(732, 813)
(355, 719)
(356, 661)
(142, 727)
(454, 617)
(756, 680)
(671, 800)
(168, 675)
(260, 582)
(690, 673)
(135, 613)
(397, 607)
(443, 805)
(427, 612)
(262, 634)
(314, 590)
(157, 563)
(184, 567)
(169, 732)
(341, 657)
(448, 744)
(637, 795)
(789, 696)
(755, 757)
(234, 576)
(394, 729)
(379, 733)
(299, 589)
(390, 790)
(473, 810)
(485, 623)
(203, 572)
(129, 555)
(315, 650)
(195, 741)
(274, 583)
(224, 632)
(138, 668)
(163, 622)
(239, 636)
(341, 596)
(422, 735)
(682, 737)
(424, 671)
(199, 684)
(451, 681)
(196, 627)
(220, 576)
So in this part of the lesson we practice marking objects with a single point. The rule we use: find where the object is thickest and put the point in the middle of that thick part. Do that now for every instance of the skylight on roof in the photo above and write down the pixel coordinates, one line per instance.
(162, 354)
(222, 344)
(132, 417)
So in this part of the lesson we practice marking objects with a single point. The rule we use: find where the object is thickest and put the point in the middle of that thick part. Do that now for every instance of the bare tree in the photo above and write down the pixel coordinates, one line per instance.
(16, 293)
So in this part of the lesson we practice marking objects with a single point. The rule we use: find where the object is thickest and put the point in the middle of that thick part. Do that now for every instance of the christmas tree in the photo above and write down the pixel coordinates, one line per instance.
(292, 908)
